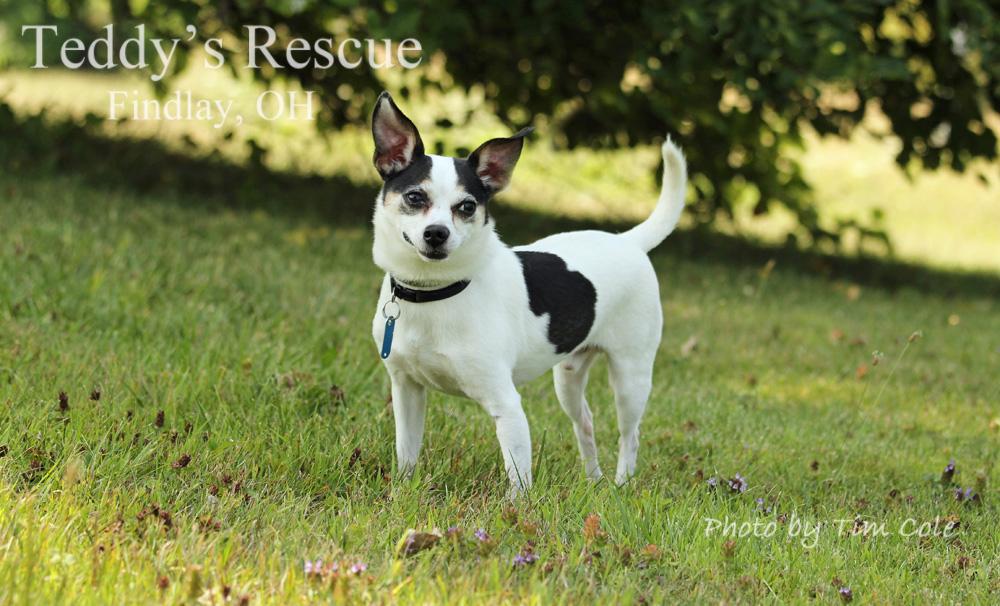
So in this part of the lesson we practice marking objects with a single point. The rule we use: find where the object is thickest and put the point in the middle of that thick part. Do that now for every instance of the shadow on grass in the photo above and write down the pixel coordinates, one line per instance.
(36, 147)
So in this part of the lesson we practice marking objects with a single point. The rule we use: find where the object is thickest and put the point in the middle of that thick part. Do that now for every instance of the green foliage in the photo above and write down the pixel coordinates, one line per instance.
(736, 81)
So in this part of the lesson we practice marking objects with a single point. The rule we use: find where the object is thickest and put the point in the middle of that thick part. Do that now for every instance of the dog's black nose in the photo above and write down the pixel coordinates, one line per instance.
(436, 235)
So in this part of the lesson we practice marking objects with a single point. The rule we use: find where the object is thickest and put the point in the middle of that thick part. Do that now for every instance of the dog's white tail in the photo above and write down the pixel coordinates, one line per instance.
(668, 209)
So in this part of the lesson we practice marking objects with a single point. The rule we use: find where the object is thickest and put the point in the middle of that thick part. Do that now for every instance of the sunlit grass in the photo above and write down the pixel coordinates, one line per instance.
(238, 325)
(247, 326)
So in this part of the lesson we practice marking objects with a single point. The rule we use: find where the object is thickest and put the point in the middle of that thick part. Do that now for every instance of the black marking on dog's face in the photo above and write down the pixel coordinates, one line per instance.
(567, 296)
(471, 183)
(414, 174)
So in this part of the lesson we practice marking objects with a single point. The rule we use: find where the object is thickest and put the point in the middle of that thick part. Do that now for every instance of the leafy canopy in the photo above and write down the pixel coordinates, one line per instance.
(737, 81)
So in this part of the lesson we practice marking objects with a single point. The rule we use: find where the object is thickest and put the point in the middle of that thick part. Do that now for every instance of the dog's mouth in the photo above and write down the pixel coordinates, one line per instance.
(433, 254)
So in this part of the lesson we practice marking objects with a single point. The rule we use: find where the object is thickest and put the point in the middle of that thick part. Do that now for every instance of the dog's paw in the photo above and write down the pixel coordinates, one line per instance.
(622, 479)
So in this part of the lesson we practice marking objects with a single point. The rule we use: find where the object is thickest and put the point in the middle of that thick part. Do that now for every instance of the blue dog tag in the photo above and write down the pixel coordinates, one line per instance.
(390, 323)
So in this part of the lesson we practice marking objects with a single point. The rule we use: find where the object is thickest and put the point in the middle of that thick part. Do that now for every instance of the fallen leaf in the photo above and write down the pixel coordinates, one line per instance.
(861, 372)
(207, 523)
(292, 378)
(592, 528)
(689, 346)
(414, 542)
(651, 552)
(728, 548)
(509, 515)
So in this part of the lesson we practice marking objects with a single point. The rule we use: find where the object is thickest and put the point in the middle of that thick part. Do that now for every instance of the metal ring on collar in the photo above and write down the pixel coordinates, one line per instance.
(399, 310)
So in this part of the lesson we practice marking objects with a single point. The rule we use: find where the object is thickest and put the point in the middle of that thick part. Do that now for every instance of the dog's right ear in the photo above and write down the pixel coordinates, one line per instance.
(397, 142)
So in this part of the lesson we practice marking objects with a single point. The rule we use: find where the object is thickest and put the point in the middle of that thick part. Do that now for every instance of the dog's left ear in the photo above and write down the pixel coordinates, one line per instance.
(397, 142)
(494, 160)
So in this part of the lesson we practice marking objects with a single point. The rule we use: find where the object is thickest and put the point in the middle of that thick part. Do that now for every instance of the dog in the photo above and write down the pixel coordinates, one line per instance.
(464, 314)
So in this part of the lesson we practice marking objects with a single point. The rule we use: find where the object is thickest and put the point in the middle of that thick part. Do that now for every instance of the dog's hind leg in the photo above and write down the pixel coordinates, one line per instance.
(570, 377)
(631, 377)
(409, 405)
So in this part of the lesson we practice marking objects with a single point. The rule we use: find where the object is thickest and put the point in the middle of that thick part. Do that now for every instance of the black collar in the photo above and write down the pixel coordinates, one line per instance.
(426, 296)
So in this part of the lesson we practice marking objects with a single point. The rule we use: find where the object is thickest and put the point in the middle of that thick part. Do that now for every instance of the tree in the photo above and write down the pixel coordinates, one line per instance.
(736, 80)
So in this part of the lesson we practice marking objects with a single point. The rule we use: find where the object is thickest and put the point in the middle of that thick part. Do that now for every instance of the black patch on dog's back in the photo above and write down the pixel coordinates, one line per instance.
(567, 296)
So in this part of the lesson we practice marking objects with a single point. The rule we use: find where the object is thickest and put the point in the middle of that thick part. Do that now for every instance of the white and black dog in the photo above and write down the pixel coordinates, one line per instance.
(462, 313)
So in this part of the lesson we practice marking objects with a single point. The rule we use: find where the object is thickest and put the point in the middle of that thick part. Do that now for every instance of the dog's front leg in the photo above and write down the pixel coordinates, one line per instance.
(504, 405)
(409, 405)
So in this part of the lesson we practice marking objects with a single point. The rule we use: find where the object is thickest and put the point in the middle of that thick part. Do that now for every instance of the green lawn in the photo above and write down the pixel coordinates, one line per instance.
(238, 304)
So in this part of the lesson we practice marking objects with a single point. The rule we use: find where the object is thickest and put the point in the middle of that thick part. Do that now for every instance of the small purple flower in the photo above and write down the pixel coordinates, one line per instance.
(482, 535)
(315, 567)
(713, 482)
(738, 484)
(846, 594)
(948, 473)
(524, 558)
(966, 494)
(762, 506)
(358, 568)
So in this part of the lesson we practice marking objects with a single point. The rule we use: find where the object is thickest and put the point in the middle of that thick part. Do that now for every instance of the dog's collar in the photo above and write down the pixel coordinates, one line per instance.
(425, 296)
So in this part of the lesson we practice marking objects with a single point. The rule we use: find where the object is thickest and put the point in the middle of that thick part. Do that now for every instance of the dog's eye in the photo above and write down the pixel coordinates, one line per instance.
(415, 198)
(467, 208)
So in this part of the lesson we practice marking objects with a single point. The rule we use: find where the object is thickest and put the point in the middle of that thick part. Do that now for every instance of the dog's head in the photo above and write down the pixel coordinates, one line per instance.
(432, 210)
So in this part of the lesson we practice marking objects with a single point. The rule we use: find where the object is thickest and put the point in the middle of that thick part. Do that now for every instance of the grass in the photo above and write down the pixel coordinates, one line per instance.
(238, 304)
